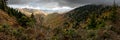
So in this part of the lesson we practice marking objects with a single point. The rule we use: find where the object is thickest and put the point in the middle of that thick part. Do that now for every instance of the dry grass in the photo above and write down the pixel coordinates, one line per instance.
(6, 19)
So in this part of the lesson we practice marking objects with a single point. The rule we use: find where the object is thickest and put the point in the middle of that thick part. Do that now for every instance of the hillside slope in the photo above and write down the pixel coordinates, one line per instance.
(6, 19)
(101, 20)
(89, 22)
(14, 25)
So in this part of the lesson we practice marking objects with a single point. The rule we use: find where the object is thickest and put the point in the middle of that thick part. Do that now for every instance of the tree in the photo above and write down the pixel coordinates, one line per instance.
(114, 12)
(34, 23)
(33, 19)
(92, 21)
(3, 4)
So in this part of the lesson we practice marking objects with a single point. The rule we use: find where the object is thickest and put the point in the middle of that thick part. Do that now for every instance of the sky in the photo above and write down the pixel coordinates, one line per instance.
(55, 4)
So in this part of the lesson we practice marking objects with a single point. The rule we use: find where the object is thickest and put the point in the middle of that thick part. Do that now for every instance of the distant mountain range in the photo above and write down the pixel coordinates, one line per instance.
(47, 10)
(28, 12)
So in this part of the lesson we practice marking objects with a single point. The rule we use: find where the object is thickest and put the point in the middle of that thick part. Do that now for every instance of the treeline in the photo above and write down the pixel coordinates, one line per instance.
(83, 12)
(24, 32)
(91, 22)
(20, 17)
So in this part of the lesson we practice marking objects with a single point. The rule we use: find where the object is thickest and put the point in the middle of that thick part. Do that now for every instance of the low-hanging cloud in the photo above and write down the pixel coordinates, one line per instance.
(52, 3)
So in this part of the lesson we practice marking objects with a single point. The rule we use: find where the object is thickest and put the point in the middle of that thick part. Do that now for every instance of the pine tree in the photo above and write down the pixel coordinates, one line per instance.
(34, 23)
(33, 18)
(92, 21)
(3, 4)
(113, 13)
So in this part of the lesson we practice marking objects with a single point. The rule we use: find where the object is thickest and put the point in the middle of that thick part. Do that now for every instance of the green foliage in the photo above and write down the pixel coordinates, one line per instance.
(92, 22)
(82, 13)
(91, 34)
(18, 33)
(113, 16)
(61, 33)
(33, 20)
(21, 18)
(55, 38)
(3, 4)
(70, 32)
(4, 28)
(91, 12)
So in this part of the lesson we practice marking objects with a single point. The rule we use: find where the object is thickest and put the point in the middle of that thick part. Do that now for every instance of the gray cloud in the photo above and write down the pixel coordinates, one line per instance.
(70, 3)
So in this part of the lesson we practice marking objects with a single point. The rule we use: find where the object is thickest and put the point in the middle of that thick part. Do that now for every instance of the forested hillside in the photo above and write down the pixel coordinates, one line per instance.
(89, 22)
(14, 25)
(96, 22)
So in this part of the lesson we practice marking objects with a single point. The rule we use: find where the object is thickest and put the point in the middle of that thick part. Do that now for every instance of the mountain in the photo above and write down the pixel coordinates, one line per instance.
(85, 11)
(28, 12)
(89, 22)
(14, 25)
(100, 20)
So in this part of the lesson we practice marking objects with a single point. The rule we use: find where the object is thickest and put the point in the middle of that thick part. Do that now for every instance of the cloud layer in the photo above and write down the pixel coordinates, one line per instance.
(55, 3)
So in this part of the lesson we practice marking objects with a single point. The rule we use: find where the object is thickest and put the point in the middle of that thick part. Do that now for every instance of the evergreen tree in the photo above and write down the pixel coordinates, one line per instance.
(92, 21)
(3, 4)
(33, 18)
(113, 13)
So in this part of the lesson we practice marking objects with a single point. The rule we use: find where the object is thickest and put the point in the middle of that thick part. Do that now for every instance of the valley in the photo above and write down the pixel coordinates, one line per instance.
(88, 22)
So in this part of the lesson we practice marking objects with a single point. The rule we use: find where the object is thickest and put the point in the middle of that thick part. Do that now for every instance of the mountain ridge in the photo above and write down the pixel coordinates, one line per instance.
(89, 22)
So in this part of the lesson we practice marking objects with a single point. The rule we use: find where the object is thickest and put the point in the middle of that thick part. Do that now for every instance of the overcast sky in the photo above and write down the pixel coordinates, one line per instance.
(56, 4)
